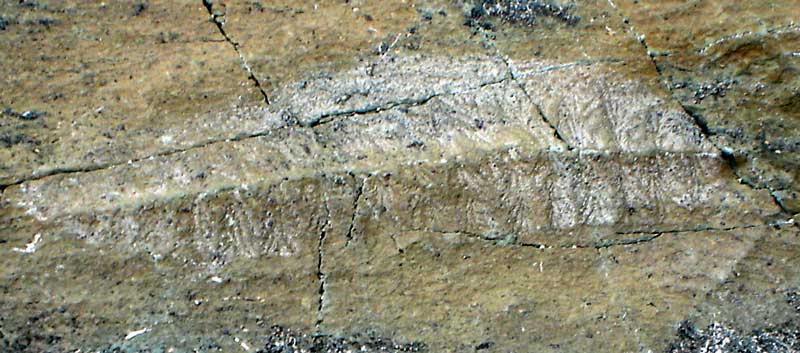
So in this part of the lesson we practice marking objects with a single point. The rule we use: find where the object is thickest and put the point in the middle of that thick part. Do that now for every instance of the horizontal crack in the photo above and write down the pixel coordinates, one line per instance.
(511, 240)
(102, 166)
(703, 229)
(203, 40)
(328, 117)
(646, 236)
(617, 242)
(653, 234)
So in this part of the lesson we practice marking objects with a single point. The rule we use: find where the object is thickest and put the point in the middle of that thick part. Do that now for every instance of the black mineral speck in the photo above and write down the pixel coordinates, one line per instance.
(415, 144)
(427, 16)
(139, 8)
(484, 345)
(26, 115)
(44, 22)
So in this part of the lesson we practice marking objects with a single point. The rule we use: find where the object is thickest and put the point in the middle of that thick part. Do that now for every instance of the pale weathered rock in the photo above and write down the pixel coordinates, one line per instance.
(428, 176)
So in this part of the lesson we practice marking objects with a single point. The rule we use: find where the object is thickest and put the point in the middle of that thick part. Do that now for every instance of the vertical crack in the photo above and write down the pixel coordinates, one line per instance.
(218, 20)
(321, 276)
(359, 191)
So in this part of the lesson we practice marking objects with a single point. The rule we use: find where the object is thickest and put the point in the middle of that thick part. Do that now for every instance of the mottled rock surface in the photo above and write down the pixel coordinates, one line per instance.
(399, 176)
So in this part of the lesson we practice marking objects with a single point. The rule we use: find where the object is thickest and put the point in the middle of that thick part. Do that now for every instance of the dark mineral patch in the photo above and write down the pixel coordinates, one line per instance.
(523, 12)
(793, 298)
(31, 4)
(7, 140)
(719, 338)
(282, 340)
(716, 89)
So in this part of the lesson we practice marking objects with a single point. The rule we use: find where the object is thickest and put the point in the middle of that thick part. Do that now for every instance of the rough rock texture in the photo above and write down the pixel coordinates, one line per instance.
(738, 76)
(398, 176)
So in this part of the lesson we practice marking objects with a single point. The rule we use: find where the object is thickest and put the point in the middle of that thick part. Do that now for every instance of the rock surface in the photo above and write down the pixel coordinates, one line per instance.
(399, 176)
